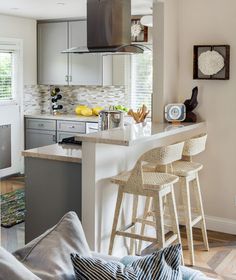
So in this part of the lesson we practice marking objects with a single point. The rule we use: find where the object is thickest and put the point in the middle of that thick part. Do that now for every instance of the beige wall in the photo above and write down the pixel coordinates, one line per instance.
(213, 22)
(165, 54)
(20, 28)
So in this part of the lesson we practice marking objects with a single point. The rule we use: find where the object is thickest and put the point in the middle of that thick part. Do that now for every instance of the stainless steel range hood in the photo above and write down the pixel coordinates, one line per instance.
(108, 29)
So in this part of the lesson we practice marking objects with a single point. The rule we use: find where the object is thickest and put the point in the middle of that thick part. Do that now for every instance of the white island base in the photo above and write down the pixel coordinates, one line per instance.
(106, 154)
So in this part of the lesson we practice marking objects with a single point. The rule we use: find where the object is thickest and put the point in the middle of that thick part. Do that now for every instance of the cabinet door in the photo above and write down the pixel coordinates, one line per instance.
(38, 138)
(52, 64)
(85, 69)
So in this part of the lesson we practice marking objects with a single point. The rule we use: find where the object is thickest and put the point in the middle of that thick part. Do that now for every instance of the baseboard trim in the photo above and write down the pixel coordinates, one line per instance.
(221, 224)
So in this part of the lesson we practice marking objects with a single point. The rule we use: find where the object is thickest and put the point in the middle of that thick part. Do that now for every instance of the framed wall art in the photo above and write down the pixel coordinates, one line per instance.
(211, 62)
(139, 33)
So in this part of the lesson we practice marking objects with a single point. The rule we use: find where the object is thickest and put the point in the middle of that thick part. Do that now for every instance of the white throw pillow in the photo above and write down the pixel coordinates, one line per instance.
(48, 256)
(12, 269)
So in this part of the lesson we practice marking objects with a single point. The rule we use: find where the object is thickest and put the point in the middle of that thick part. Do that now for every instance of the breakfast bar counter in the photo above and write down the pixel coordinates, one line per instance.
(132, 134)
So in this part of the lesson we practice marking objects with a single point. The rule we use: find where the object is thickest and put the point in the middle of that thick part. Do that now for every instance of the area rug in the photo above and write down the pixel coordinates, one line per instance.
(12, 208)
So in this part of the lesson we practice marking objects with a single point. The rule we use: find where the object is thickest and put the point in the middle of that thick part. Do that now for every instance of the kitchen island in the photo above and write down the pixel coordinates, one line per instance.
(106, 154)
(52, 186)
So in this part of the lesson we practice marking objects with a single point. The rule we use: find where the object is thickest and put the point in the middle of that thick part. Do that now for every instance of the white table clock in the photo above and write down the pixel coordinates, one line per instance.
(175, 112)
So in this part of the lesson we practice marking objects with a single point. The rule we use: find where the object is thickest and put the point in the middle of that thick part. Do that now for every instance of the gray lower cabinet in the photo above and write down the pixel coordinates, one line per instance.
(62, 135)
(39, 133)
(44, 132)
(39, 138)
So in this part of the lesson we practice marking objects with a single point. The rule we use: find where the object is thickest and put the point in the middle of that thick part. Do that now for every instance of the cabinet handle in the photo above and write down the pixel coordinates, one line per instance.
(67, 78)
(92, 128)
(54, 138)
(41, 125)
(70, 78)
(72, 126)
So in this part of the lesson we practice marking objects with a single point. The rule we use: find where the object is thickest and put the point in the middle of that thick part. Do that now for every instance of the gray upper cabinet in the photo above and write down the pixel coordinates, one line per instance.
(56, 68)
(52, 64)
(85, 69)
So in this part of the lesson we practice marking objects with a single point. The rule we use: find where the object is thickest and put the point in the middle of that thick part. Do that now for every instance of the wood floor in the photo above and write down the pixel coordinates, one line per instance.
(11, 184)
(220, 261)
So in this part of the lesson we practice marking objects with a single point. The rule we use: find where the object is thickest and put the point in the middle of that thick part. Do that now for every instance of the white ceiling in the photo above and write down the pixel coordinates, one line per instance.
(52, 9)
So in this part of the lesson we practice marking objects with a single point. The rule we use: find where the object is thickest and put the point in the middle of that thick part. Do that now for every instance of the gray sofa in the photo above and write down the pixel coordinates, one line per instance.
(48, 256)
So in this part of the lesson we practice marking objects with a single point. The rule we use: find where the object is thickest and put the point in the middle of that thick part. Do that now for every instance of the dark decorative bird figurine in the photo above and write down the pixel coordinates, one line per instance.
(191, 104)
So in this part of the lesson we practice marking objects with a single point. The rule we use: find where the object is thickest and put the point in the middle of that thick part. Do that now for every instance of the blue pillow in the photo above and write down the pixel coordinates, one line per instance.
(187, 273)
(161, 265)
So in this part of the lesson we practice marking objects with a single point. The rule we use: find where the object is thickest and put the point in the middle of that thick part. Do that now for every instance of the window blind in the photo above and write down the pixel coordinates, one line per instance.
(142, 80)
(6, 75)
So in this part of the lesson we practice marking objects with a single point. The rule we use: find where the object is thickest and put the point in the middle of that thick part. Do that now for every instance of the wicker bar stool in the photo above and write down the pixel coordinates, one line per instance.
(187, 171)
(152, 185)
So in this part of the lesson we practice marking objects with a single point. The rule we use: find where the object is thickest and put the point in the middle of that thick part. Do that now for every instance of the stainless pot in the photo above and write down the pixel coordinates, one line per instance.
(109, 119)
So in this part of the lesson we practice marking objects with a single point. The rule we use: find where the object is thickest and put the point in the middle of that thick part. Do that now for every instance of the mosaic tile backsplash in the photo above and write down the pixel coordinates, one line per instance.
(37, 98)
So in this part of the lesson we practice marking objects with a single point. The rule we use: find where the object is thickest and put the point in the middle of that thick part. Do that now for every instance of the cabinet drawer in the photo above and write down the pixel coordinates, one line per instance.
(40, 124)
(77, 127)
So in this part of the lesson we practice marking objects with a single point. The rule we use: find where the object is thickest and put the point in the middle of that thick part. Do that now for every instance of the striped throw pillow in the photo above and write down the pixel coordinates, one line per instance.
(161, 265)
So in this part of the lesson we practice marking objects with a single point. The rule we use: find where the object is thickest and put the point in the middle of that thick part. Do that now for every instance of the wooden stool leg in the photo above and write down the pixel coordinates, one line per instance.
(145, 215)
(115, 220)
(134, 217)
(159, 219)
(174, 216)
(188, 216)
(198, 195)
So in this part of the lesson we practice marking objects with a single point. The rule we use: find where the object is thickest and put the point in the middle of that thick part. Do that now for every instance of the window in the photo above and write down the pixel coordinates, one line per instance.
(6, 76)
(141, 81)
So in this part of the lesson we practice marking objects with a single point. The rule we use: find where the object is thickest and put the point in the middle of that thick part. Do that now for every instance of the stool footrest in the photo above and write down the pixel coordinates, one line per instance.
(169, 241)
(146, 222)
(196, 220)
(136, 236)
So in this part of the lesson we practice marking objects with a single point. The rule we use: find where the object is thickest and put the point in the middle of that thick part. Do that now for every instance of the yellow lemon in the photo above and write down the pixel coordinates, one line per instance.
(86, 112)
(97, 110)
(79, 108)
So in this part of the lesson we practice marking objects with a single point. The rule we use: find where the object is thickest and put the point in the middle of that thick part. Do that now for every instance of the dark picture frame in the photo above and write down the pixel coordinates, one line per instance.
(224, 50)
(143, 36)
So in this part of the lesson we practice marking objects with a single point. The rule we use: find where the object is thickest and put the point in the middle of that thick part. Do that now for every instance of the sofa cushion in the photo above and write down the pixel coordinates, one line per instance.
(48, 256)
(12, 269)
(163, 264)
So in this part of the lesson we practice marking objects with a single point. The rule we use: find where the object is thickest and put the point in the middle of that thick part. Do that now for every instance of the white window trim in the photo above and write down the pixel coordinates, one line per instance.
(129, 88)
(16, 46)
